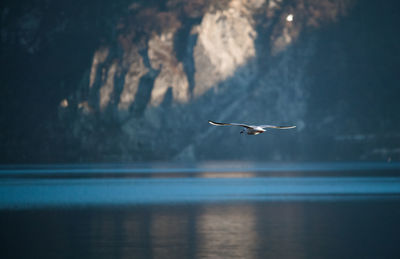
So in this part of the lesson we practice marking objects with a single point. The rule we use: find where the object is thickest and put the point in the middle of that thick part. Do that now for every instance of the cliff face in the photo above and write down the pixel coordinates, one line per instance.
(171, 69)
(161, 69)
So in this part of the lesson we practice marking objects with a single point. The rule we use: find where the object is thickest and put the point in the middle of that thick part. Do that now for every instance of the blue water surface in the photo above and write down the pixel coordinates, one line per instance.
(133, 184)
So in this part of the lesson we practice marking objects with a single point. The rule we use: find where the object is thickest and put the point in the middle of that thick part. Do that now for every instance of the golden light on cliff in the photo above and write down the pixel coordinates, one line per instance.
(64, 103)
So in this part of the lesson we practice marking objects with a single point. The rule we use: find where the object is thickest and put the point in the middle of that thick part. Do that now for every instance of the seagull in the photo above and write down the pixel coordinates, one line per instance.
(251, 129)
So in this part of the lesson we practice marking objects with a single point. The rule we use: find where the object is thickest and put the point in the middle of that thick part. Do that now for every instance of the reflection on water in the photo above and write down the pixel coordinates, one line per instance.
(227, 232)
(212, 213)
(166, 232)
(357, 229)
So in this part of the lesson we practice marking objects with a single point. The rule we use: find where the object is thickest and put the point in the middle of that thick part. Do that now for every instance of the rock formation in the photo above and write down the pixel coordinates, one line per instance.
(171, 69)
(158, 71)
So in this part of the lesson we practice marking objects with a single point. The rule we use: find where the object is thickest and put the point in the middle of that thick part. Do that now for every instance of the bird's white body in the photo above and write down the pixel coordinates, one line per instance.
(254, 131)
(251, 129)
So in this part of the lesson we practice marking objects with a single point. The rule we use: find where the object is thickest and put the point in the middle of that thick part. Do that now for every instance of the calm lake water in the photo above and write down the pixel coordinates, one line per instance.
(213, 210)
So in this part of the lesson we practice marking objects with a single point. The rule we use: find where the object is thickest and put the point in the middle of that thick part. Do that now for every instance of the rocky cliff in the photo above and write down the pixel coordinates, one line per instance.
(155, 72)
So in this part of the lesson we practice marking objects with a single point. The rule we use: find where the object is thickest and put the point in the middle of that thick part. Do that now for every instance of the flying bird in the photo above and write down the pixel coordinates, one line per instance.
(251, 129)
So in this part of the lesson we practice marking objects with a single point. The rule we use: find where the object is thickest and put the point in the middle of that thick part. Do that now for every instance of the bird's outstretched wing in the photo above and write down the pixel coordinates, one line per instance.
(228, 124)
(277, 127)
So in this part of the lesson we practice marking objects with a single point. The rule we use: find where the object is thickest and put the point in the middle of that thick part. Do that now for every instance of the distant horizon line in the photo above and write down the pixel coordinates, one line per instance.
(197, 167)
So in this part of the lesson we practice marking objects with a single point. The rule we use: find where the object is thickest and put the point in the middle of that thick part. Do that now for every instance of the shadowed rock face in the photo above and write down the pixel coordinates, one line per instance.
(163, 68)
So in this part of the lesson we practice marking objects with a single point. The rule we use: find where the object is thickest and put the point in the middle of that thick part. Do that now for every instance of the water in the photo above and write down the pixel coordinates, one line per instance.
(229, 210)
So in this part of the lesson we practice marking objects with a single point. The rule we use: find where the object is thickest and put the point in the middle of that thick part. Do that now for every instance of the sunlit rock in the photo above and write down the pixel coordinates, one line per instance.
(107, 88)
(312, 13)
(283, 40)
(162, 56)
(135, 70)
(84, 107)
(225, 42)
(99, 57)
(64, 103)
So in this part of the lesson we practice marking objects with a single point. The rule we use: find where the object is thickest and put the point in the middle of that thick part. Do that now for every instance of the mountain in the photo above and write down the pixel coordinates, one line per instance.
(138, 80)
